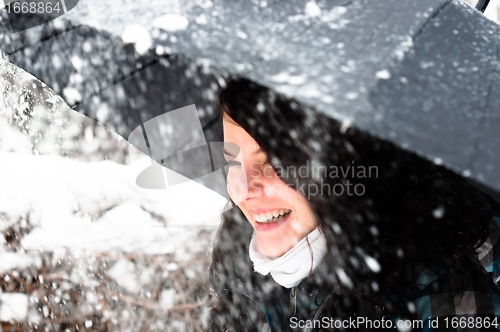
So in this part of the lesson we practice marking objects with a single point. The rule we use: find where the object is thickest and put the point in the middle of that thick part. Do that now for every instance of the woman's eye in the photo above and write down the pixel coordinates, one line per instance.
(267, 163)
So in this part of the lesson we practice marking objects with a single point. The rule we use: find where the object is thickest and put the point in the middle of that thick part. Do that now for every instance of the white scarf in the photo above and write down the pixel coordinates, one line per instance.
(296, 264)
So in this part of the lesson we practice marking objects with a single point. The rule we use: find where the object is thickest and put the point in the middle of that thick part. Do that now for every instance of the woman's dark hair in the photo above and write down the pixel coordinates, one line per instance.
(407, 211)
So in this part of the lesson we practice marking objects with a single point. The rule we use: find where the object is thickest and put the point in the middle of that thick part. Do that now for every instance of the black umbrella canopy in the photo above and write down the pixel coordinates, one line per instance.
(421, 74)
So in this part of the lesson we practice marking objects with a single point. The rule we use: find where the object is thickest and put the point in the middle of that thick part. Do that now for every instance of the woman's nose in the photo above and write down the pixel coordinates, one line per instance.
(244, 183)
(255, 181)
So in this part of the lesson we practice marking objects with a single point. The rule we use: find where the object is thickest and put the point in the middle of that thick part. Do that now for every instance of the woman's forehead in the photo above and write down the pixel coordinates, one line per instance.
(236, 135)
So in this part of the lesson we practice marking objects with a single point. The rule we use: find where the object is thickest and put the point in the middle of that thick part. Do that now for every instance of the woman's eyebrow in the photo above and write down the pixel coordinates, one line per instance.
(259, 150)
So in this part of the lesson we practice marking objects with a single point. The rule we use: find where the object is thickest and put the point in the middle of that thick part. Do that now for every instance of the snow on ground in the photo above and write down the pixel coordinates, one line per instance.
(15, 307)
(65, 195)
(9, 260)
(75, 225)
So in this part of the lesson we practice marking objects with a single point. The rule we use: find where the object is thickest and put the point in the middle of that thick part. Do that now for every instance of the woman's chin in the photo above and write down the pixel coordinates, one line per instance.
(272, 252)
(273, 247)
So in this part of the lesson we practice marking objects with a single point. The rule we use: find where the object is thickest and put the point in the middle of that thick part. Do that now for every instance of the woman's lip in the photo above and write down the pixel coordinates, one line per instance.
(259, 211)
(264, 227)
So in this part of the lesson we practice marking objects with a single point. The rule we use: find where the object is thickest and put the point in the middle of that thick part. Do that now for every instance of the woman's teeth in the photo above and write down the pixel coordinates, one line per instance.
(271, 216)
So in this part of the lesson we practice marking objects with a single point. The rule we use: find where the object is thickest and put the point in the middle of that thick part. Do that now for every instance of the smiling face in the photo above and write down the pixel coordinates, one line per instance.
(280, 215)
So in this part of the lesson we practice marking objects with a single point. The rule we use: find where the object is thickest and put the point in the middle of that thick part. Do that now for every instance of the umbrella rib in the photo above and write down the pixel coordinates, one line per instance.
(431, 17)
(482, 4)
(211, 158)
(122, 78)
(210, 124)
(44, 39)
(146, 138)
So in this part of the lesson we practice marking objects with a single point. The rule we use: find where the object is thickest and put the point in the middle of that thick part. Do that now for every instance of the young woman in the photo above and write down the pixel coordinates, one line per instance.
(335, 230)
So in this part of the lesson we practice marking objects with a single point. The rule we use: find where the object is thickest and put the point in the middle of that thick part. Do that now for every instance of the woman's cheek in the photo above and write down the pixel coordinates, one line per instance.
(275, 189)
(237, 185)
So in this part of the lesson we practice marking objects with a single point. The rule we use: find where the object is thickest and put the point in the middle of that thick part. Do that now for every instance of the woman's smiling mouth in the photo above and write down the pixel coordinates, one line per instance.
(271, 216)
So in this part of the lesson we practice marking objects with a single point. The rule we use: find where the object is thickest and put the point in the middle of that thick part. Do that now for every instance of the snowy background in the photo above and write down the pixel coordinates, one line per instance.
(83, 246)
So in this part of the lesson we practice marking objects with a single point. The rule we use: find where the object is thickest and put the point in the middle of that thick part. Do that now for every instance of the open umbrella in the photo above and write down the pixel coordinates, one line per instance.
(422, 74)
